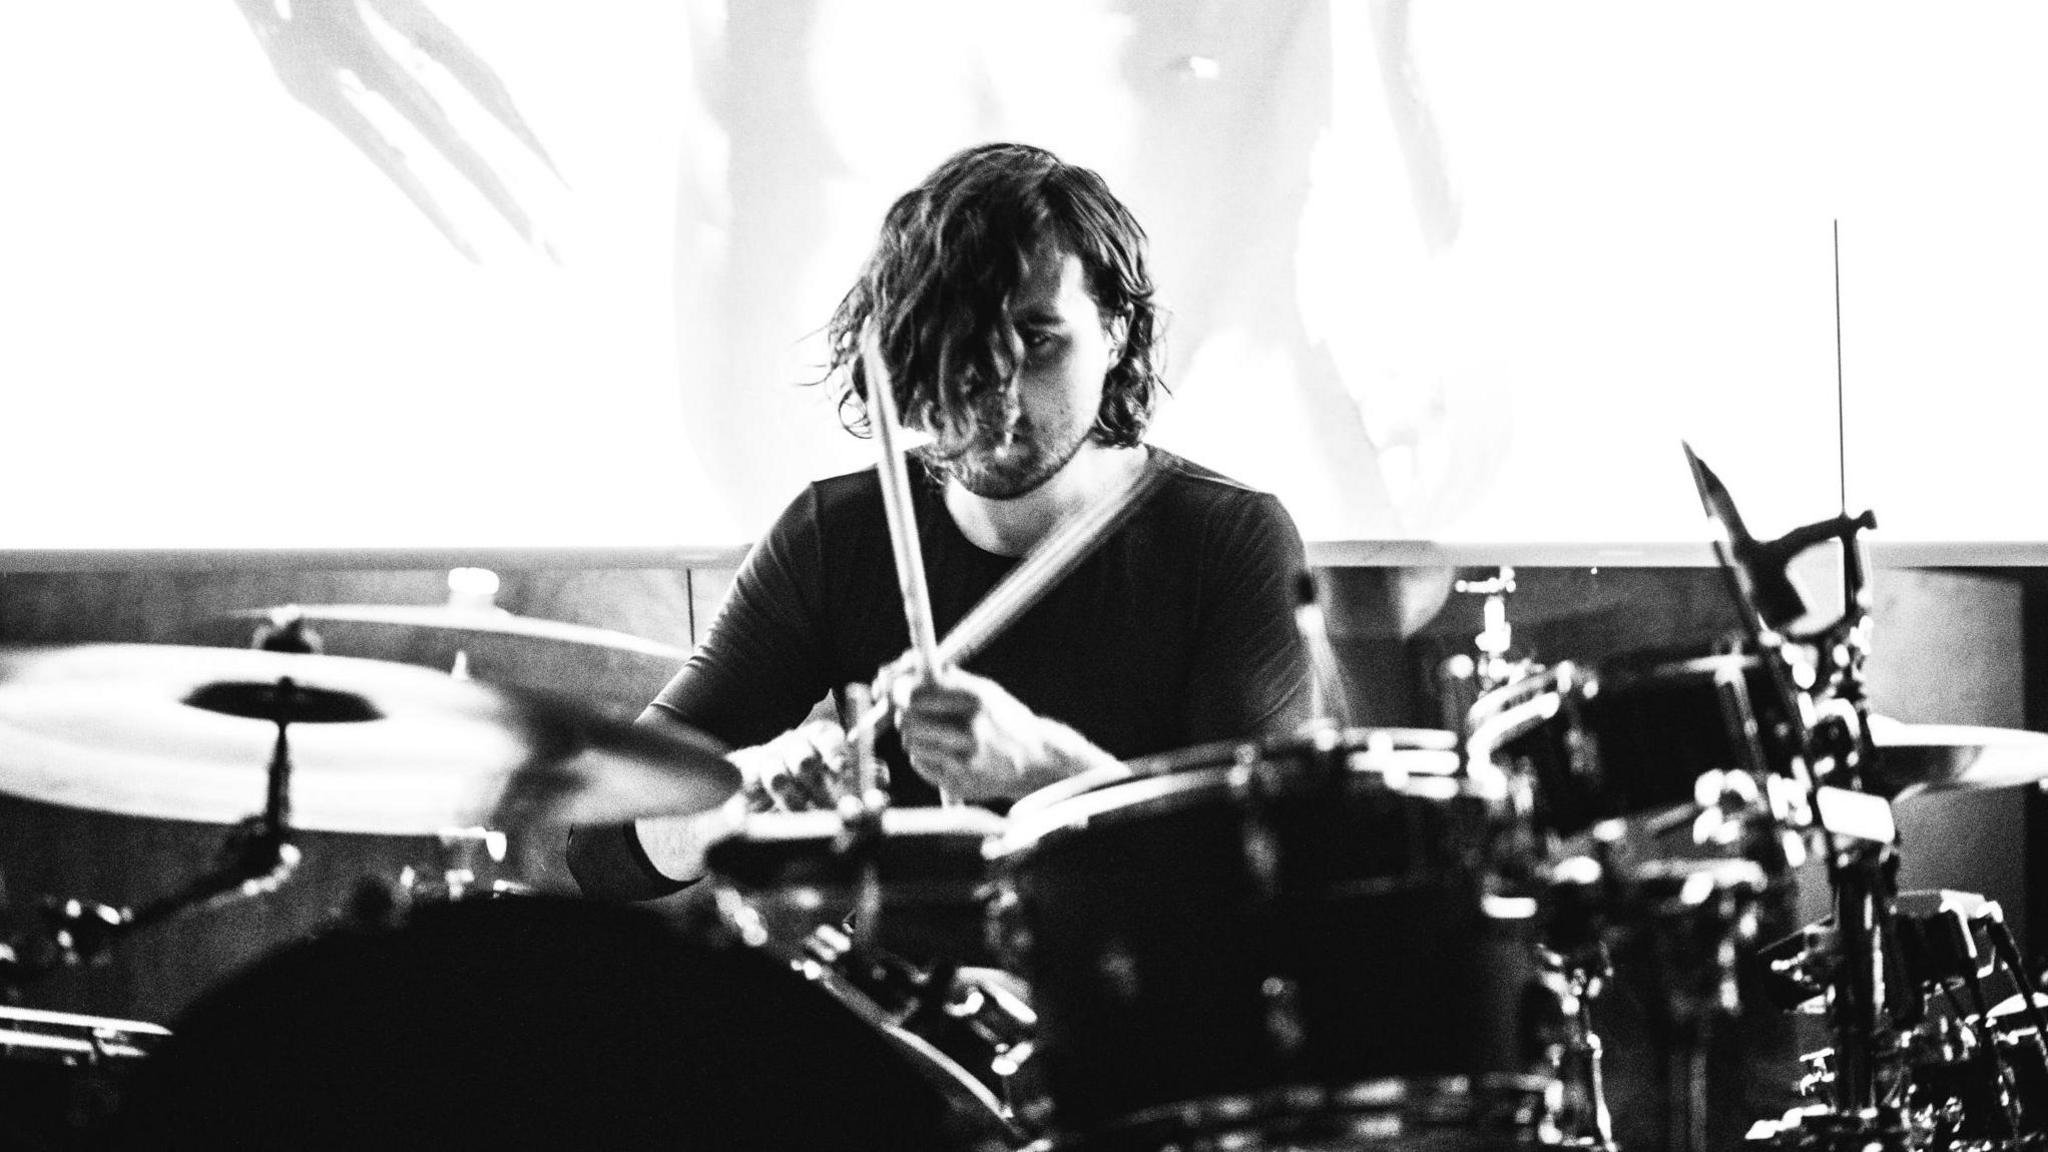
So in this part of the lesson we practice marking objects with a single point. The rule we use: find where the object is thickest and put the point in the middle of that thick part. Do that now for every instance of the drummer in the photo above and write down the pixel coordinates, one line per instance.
(1014, 313)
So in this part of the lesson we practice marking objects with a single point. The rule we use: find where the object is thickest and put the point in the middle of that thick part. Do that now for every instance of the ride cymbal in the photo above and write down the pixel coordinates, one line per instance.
(1915, 757)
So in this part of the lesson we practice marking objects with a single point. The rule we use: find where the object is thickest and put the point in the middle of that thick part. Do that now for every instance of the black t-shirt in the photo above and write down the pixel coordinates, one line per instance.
(1177, 630)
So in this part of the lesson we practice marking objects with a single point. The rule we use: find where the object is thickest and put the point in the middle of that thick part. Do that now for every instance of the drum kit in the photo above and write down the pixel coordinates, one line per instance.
(1345, 938)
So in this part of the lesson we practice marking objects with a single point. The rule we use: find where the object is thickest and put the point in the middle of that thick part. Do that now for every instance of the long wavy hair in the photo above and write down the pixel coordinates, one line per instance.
(936, 289)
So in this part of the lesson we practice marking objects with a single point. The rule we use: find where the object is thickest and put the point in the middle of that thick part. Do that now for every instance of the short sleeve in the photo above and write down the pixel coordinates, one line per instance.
(764, 662)
(1250, 673)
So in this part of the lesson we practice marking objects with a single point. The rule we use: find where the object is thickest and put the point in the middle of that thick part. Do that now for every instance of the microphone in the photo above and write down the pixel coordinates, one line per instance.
(1762, 568)
(1761, 575)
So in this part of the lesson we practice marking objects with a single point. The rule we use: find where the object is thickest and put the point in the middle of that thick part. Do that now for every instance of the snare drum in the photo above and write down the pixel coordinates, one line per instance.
(1629, 737)
(61, 1075)
(784, 874)
(1290, 940)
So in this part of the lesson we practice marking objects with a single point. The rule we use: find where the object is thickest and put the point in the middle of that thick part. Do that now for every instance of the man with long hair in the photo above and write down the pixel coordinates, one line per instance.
(1008, 303)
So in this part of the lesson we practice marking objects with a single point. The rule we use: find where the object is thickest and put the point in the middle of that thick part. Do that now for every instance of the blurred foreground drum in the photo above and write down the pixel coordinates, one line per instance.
(1289, 942)
(1630, 737)
(530, 1022)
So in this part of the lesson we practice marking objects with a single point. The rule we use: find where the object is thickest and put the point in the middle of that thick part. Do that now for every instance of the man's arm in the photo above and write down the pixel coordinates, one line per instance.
(760, 667)
(1250, 674)
(797, 770)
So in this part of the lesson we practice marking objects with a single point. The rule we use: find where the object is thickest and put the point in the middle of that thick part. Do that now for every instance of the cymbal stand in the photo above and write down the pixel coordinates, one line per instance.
(1834, 747)
(256, 857)
(1834, 752)
(1861, 840)
(1464, 678)
(1573, 1049)
(1495, 636)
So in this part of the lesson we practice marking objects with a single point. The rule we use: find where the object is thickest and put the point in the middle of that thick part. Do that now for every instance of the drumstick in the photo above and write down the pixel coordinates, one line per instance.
(895, 477)
(1044, 568)
(1027, 584)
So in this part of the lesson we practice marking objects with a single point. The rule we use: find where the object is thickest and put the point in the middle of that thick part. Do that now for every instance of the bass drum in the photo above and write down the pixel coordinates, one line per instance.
(530, 1022)
(1273, 945)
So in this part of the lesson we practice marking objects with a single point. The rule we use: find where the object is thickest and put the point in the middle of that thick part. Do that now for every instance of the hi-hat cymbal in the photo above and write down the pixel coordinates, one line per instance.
(186, 733)
(472, 625)
(600, 666)
(1915, 757)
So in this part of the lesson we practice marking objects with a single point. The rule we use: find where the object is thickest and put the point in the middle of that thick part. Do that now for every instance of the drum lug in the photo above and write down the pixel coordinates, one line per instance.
(1258, 842)
(1119, 969)
(1262, 855)
(1284, 1023)
(1004, 928)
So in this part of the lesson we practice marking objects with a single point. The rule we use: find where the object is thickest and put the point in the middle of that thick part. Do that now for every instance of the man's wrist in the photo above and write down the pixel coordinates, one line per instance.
(1072, 753)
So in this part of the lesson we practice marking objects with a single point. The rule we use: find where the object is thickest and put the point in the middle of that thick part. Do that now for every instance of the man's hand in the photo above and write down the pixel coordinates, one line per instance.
(798, 770)
(973, 740)
(804, 768)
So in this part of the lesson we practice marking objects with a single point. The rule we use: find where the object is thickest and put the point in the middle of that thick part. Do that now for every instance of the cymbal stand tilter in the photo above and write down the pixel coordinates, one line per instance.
(255, 858)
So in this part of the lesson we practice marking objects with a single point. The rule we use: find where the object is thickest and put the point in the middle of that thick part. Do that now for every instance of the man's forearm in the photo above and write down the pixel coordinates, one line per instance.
(675, 845)
(1070, 753)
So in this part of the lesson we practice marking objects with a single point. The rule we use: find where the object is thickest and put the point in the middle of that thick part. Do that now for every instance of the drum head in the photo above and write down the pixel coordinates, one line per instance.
(1423, 760)
(526, 1022)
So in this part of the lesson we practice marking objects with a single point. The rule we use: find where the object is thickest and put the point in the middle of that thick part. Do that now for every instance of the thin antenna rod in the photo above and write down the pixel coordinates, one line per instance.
(1841, 397)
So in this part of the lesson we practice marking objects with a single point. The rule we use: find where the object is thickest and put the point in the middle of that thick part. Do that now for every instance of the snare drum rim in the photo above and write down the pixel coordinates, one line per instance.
(964, 822)
(74, 1021)
(32, 1034)
(1222, 753)
(1312, 736)
(1167, 782)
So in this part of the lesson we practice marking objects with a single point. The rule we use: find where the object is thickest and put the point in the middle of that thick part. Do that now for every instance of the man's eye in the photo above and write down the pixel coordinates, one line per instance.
(1039, 339)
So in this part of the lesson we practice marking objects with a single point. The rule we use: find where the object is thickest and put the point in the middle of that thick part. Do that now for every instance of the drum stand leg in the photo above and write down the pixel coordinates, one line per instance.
(1855, 1119)
(1581, 1118)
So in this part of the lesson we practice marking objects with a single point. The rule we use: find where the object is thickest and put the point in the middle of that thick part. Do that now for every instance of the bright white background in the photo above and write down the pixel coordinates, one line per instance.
(1465, 276)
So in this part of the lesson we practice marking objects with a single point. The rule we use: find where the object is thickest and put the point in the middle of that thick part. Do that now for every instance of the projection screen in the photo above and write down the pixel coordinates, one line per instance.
(1459, 276)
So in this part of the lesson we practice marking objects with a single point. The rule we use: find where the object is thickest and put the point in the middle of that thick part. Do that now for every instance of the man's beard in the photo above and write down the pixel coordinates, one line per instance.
(1022, 470)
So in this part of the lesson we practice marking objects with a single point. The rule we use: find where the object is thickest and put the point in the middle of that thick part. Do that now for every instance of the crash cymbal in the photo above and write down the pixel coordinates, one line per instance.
(1913, 757)
(187, 733)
